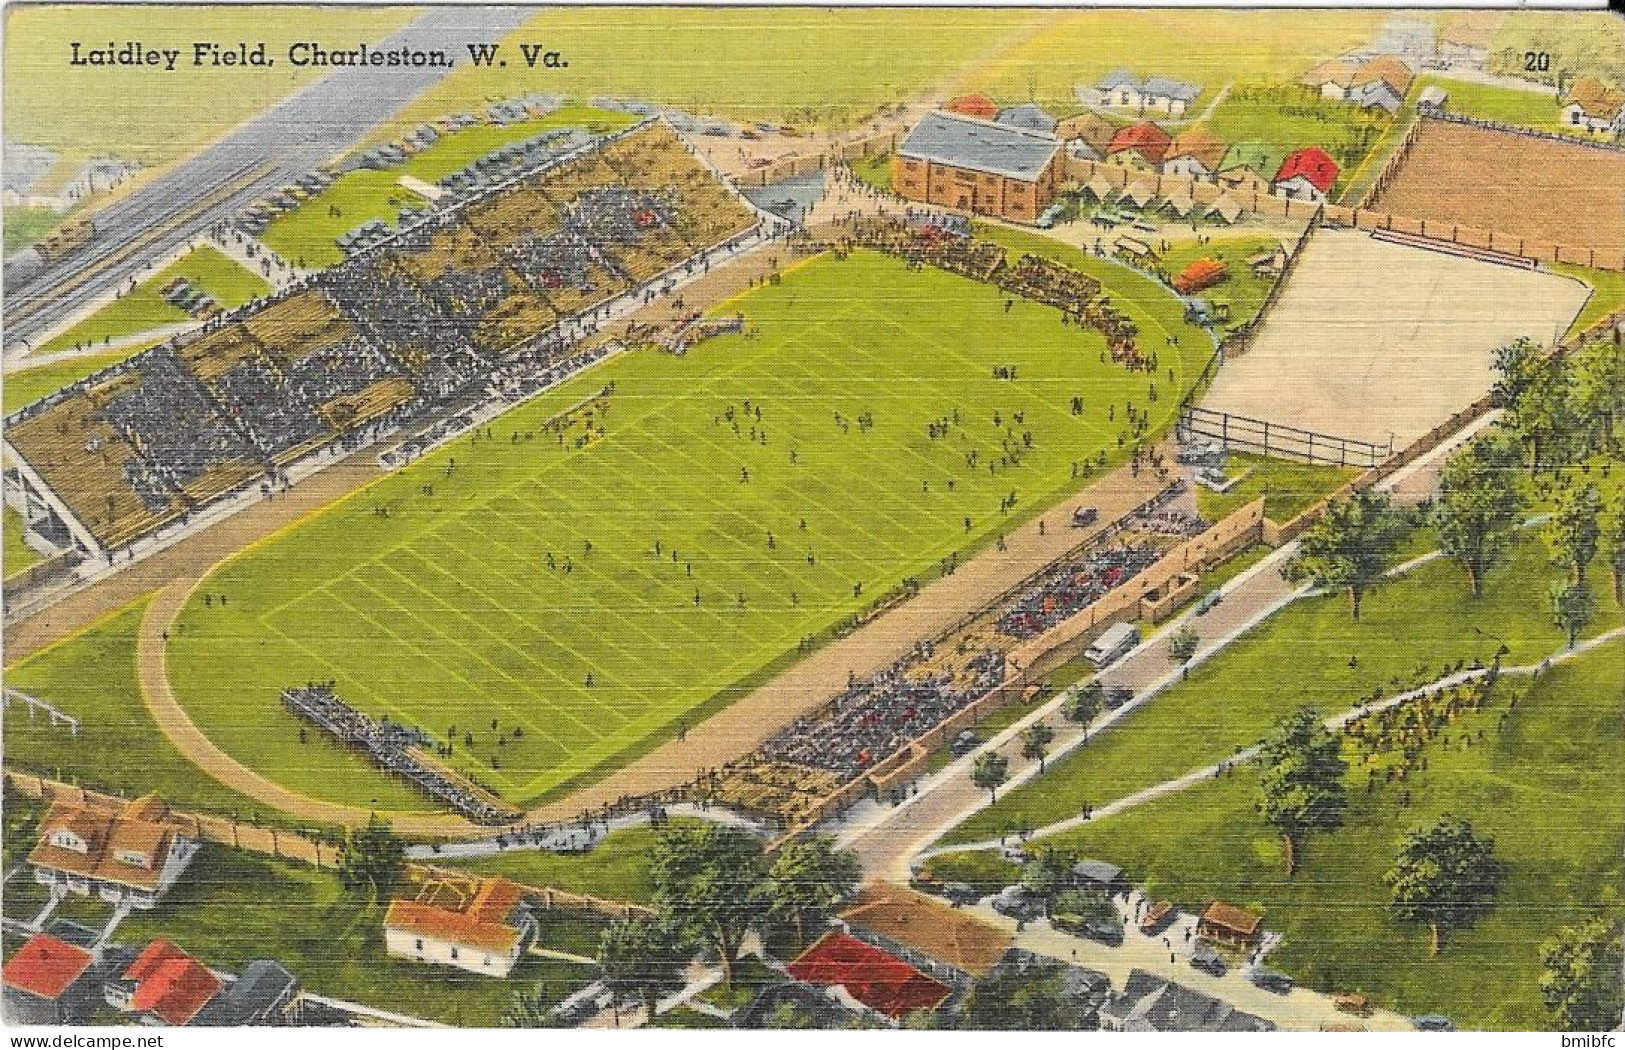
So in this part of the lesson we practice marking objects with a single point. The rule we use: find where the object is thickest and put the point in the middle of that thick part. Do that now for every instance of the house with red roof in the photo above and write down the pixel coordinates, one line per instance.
(1306, 175)
(164, 986)
(979, 106)
(876, 978)
(1140, 146)
(49, 981)
(479, 925)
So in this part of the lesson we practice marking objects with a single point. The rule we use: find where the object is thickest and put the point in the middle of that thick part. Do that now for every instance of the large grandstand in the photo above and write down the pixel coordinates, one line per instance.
(424, 320)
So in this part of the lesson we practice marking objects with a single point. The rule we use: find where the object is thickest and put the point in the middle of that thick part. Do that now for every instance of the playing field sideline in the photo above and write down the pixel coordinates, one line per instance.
(532, 599)
(1371, 339)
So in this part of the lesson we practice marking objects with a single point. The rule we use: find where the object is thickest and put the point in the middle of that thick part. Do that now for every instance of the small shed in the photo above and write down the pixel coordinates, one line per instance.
(1100, 188)
(1433, 99)
(1229, 925)
(1226, 209)
(1181, 204)
(1099, 875)
(1203, 273)
(1140, 193)
(1134, 248)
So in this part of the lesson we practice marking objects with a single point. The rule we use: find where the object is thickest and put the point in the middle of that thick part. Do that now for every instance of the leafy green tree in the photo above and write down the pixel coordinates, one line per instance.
(1516, 366)
(1572, 607)
(642, 958)
(1445, 877)
(1349, 547)
(708, 881)
(1023, 999)
(989, 771)
(1085, 703)
(371, 858)
(1575, 529)
(1477, 509)
(1182, 645)
(528, 1010)
(808, 878)
(1546, 417)
(1301, 790)
(1600, 386)
(1046, 873)
(1580, 982)
(1613, 539)
(1035, 742)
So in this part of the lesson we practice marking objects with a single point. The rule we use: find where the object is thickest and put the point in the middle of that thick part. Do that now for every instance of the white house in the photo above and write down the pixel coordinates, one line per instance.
(479, 925)
(1122, 90)
(125, 856)
(1195, 154)
(1594, 106)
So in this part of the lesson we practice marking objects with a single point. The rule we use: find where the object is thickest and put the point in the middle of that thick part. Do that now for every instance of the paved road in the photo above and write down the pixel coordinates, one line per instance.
(299, 133)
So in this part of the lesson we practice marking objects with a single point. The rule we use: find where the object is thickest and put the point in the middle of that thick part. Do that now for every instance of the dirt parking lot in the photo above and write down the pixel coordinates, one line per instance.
(1371, 339)
(1522, 185)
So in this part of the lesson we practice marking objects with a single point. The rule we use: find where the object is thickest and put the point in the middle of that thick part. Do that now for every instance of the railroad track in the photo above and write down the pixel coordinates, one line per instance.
(28, 303)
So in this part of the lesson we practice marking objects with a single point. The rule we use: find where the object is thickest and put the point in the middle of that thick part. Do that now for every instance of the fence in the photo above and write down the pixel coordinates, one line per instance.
(1514, 129)
(1276, 439)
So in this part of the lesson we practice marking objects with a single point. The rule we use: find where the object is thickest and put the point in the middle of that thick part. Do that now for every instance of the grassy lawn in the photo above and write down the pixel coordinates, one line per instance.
(305, 235)
(24, 226)
(828, 67)
(29, 385)
(145, 309)
(1607, 295)
(1243, 291)
(1545, 785)
(1205, 47)
(92, 676)
(875, 170)
(984, 869)
(437, 616)
(1410, 629)
(616, 869)
(232, 907)
(1537, 109)
(18, 555)
(1288, 488)
(1292, 117)
(136, 113)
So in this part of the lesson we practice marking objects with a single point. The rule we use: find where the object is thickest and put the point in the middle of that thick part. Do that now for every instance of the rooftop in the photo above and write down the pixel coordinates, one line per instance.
(919, 923)
(46, 966)
(465, 910)
(875, 978)
(964, 142)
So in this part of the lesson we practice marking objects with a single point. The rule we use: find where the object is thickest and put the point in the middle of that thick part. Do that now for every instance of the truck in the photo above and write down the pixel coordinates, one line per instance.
(1113, 644)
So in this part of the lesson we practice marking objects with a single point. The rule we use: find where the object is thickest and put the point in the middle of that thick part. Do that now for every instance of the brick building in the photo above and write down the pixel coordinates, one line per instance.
(976, 166)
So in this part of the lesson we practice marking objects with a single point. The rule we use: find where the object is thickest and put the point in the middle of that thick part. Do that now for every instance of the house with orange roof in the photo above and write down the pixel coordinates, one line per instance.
(164, 986)
(1196, 154)
(49, 981)
(126, 855)
(476, 924)
(1142, 146)
(1594, 106)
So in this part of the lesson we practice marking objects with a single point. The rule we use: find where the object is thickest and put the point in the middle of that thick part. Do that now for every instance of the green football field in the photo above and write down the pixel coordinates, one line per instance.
(514, 590)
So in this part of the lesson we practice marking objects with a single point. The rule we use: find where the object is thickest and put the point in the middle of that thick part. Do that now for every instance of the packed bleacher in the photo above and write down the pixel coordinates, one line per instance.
(393, 747)
(1045, 281)
(1070, 585)
(466, 301)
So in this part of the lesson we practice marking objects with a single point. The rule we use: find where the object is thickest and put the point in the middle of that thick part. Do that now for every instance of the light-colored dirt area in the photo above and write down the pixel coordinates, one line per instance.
(1523, 185)
(1371, 339)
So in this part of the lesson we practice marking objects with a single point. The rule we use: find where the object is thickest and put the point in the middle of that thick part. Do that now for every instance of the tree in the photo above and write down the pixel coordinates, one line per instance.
(1035, 741)
(371, 858)
(807, 879)
(642, 958)
(1614, 546)
(1030, 998)
(1183, 645)
(1046, 873)
(1444, 877)
(1085, 703)
(1477, 509)
(1301, 788)
(1572, 606)
(1600, 385)
(1349, 547)
(1516, 366)
(1545, 416)
(1574, 530)
(989, 771)
(708, 881)
(1580, 983)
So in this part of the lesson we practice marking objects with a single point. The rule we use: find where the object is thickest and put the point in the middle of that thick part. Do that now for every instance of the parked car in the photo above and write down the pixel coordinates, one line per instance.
(1016, 902)
(1269, 980)
(1083, 517)
(1208, 961)
(1157, 917)
(1433, 1023)
(962, 893)
(1209, 602)
(1110, 933)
